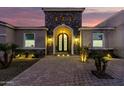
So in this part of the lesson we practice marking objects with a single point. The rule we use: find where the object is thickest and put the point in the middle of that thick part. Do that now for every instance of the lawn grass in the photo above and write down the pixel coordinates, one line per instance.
(17, 66)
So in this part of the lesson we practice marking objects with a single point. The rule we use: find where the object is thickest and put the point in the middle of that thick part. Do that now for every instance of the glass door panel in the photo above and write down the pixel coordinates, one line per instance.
(60, 42)
(65, 42)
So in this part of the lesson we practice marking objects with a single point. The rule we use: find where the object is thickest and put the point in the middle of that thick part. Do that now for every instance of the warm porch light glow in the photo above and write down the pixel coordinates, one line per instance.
(50, 41)
(76, 39)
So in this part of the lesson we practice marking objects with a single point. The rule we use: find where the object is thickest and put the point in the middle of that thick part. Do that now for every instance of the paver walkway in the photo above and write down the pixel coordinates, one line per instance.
(53, 70)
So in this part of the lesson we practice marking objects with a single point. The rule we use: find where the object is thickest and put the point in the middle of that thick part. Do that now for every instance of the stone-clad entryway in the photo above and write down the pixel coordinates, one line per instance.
(53, 70)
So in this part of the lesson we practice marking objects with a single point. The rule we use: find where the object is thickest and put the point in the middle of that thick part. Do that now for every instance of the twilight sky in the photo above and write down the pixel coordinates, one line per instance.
(35, 17)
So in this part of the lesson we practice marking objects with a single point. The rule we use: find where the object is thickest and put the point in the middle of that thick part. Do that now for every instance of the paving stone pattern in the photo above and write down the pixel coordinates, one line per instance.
(68, 71)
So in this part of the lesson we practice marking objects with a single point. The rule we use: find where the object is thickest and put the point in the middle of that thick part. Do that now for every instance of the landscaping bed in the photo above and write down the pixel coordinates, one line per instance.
(17, 66)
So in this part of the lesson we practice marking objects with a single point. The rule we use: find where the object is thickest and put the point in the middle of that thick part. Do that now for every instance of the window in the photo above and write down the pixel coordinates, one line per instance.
(29, 40)
(98, 39)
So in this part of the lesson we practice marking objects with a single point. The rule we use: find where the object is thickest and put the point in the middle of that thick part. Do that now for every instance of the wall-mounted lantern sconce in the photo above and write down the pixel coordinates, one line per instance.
(76, 40)
(50, 40)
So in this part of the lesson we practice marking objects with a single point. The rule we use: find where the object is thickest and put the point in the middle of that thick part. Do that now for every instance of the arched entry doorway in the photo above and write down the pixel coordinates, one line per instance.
(62, 42)
(63, 39)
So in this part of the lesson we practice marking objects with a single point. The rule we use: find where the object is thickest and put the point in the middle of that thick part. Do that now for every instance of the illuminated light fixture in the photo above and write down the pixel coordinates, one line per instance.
(76, 40)
(31, 56)
(68, 55)
(22, 56)
(18, 56)
(49, 39)
(63, 55)
(83, 57)
(58, 55)
(108, 57)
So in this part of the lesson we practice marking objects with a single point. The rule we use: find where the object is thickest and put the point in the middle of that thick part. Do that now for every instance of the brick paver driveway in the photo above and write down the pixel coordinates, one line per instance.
(53, 70)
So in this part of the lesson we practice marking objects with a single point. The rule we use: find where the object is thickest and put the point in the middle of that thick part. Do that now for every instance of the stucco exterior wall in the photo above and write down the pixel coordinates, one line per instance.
(86, 38)
(2, 29)
(6, 34)
(115, 38)
(39, 37)
(2, 34)
(10, 35)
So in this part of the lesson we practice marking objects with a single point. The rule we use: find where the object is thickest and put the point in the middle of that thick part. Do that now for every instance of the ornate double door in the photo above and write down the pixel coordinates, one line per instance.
(62, 42)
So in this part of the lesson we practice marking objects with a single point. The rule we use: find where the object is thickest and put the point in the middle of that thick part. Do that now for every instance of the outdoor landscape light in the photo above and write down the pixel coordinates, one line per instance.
(63, 55)
(108, 57)
(68, 55)
(31, 55)
(76, 40)
(83, 57)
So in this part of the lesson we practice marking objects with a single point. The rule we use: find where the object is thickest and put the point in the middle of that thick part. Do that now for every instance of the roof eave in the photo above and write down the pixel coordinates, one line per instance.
(33, 28)
(93, 28)
(63, 9)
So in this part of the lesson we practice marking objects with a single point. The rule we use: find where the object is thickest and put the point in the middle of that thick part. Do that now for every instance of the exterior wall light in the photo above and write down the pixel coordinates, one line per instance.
(76, 40)
(50, 41)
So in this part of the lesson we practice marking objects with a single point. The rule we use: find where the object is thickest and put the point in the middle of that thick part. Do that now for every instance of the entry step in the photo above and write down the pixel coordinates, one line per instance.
(62, 55)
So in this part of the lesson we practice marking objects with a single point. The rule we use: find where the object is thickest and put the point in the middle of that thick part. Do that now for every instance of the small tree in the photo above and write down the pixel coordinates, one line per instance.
(8, 54)
(101, 59)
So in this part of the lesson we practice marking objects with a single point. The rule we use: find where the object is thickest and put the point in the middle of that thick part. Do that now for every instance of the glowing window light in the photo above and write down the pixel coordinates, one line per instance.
(29, 43)
(98, 38)
(29, 40)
